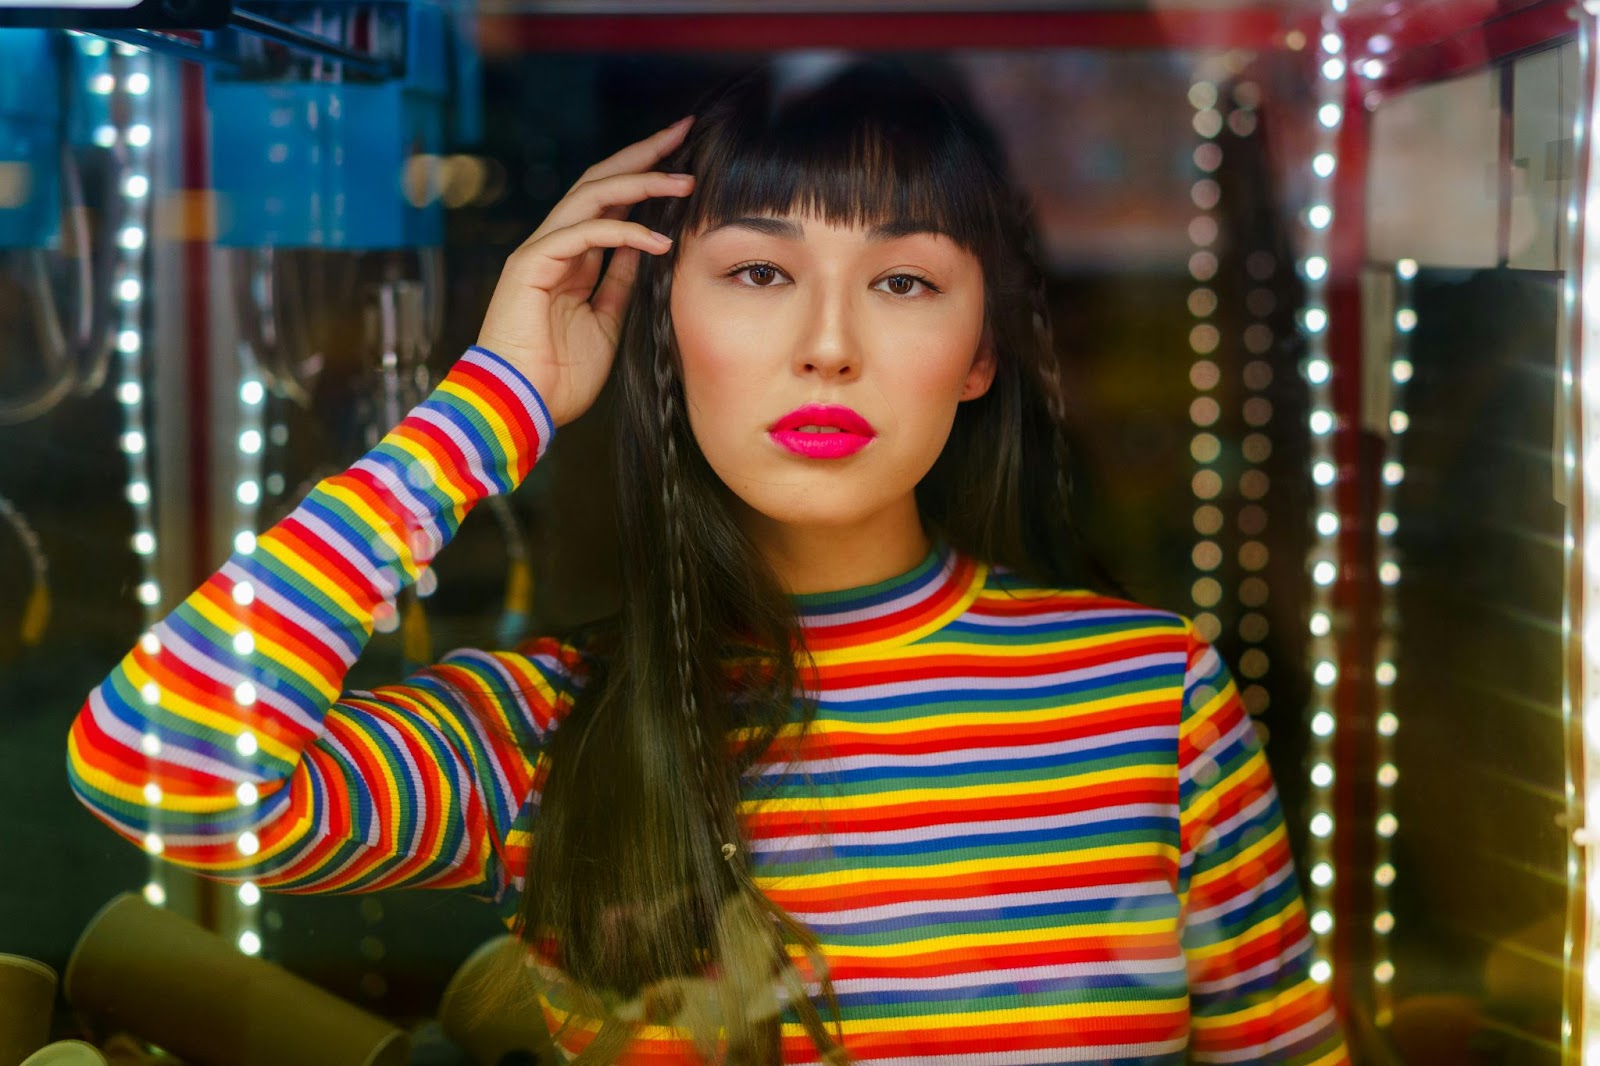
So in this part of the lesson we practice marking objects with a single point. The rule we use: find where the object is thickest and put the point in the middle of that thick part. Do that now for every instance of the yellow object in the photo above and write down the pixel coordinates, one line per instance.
(36, 616)
(415, 643)
(519, 586)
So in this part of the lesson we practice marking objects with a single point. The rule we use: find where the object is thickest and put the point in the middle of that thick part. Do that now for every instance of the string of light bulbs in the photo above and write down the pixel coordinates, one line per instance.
(1323, 555)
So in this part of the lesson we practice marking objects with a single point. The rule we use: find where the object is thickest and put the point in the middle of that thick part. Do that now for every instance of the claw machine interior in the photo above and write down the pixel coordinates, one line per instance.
(1324, 292)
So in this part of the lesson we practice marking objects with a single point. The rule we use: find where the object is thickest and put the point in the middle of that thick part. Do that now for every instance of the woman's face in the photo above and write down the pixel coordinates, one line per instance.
(774, 313)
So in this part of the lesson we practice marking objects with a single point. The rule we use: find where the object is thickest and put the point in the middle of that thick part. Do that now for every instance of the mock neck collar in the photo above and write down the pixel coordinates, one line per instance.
(897, 610)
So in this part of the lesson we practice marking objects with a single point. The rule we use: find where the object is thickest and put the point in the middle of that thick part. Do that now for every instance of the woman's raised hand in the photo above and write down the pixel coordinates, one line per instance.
(542, 317)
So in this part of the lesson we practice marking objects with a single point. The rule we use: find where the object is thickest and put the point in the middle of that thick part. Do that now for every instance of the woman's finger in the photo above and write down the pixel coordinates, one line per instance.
(603, 197)
(641, 155)
(612, 296)
(548, 258)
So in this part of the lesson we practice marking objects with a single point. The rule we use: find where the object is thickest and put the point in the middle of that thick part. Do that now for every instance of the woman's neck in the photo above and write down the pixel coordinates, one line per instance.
(827, 558)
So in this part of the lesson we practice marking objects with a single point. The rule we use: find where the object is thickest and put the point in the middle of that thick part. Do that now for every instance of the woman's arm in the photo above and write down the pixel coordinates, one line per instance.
(1245, 933)
(222, 740)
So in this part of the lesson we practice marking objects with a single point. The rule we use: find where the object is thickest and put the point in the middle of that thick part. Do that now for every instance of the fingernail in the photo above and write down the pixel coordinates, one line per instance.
(684, 121)
(663, 236)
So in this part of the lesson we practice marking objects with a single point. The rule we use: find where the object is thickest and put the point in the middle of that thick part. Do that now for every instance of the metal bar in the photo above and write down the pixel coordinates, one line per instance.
(162, 44)
(285, 34)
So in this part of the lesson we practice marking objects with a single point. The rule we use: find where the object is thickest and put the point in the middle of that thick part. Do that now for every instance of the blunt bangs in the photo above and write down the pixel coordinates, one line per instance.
(869, 147)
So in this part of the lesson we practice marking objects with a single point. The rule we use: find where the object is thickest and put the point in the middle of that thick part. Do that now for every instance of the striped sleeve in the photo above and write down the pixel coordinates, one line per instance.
(1245, 933)
(222, 741)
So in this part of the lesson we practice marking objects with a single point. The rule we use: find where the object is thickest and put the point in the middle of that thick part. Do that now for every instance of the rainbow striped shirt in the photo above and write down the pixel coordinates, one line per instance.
(1035, 825)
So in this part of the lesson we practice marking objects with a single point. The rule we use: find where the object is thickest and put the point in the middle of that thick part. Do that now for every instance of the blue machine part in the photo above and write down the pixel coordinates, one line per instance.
(299, 163)
(31, 137)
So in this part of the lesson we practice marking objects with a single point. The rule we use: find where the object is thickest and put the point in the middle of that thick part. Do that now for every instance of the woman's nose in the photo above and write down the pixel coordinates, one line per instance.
(830, 342)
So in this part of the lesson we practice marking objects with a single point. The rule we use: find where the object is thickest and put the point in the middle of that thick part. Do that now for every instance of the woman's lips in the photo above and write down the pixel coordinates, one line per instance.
(822, 431)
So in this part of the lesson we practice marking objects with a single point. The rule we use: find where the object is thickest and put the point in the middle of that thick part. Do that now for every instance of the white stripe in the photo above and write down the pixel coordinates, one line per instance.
(1009, 899)
(956, 830)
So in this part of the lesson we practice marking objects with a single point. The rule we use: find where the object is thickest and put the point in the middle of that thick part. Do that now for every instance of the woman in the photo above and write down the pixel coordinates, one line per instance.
(861, 771)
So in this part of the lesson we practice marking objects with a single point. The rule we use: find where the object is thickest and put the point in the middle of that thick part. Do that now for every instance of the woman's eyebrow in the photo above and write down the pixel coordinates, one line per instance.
(789, 230)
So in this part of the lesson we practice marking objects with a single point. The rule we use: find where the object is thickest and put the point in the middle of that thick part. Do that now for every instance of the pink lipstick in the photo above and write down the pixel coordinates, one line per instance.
(822, 431)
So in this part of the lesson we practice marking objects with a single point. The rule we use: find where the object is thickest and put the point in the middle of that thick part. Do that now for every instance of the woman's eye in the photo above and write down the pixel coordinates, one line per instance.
(906, 284)
(760, 275)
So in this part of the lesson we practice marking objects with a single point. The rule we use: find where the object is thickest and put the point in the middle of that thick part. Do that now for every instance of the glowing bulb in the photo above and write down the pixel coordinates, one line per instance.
(249, 941)
(129, 290)
(1316, 268)
(1325, 673)
(1329, 115)
(249, 844)
(128, 341)
(1320, 216)
(149, 593)
(1322, 971)
(138, 83)
(154, 844)
(247, 794)
(1327, 523)
(1388, 825)
(244, 643)
(150, 692)
(138, 492)
(1322, 775)
(1388, 724)
(1388, 523)
(1401, 370)
(1318, 371)
(249, 893)
(244, 542)
(1385, 673)
(1332, 43)
(129, 393)
(244, 694)
(133, 442)
(1321, 624)
(1322, 923)
(1406, 268)
(136, 186)
(1324, 573)
(1393, 473)
(1333, 70)
(1383, 922)
(144, 542)
(105, 136)
(1405, 319)
(248, 492)
(1322, 825)
(1384, 875)
(1321, 422)
(1383, 972)
(1399, 422)
(131, 238)
(150, 744)
(1323, 165)
(250, 442)
(1322, 724)
(1322, 875)
(139, 135)
(154, 894)
(1322, 472)
(152, 793)
(1388, 774)
(251, 392)
(244, 593)
(102, 84)
(246, 744)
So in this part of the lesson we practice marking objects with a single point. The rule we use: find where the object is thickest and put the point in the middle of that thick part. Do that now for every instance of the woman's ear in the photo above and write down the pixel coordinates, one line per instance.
(981, 376)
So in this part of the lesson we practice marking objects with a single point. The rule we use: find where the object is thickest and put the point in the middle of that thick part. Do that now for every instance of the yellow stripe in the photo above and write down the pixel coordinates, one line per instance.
(943, 870)
(995, 939)
(464, 390)
(373, 521)
(1022, 790)
(309, 572)
(227, 723)
(938, 649)
(876, 649)
(987, 720)
(1260, 1010)
(1267, 925)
